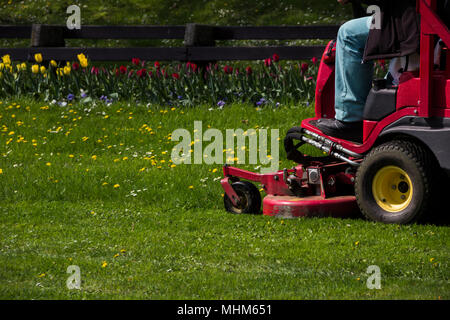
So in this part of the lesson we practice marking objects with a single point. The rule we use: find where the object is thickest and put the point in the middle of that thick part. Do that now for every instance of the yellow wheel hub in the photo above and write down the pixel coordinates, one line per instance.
(392, 189)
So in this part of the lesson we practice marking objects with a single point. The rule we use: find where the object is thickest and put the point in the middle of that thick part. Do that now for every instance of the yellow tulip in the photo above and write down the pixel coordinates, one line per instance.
(38, 57)
(23, 66)
(81, 56)
(84, 63)
(2, 65)
(35, 68)
(6, 59)
(43, 69)
(59, 71)
(53, 63)
(66, 70)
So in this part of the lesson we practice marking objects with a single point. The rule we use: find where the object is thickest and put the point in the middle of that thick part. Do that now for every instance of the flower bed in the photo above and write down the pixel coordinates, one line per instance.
(270, 82)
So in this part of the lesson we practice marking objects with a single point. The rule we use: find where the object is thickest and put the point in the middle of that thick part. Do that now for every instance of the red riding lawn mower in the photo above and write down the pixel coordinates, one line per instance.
(393, 176)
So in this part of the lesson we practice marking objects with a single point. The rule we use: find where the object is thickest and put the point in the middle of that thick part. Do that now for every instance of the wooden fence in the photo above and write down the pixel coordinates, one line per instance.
(199, 42)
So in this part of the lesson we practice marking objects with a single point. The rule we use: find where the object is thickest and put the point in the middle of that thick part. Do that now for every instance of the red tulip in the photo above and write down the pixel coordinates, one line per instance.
(141, 73)
(75, 66)
(249, 70)
(175, 75)
(304, 67)
(228, 69)
(314, 60)
(123, 69)
(136, 61)
(193, 67)
(94, 70)
(267, 62)
(157, 65)
(275, 57)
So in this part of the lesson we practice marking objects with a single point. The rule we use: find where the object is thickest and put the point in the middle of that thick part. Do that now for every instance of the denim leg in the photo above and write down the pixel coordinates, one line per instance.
(353, 78)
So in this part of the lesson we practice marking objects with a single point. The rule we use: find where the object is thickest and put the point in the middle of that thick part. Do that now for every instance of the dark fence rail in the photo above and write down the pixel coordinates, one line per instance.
(199, 41)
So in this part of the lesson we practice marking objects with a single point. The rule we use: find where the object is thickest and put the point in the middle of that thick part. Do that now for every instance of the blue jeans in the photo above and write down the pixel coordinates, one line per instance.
(353, 78)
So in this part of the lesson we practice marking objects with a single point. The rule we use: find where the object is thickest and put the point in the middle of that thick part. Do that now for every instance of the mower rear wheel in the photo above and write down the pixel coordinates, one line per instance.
(393, 183)
(249, 198)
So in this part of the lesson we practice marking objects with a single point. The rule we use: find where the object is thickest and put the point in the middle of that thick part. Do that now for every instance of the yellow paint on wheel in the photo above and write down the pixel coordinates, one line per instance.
(392, 189)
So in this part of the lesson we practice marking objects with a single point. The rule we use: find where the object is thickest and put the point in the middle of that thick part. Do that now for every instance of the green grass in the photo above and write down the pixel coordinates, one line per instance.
(177, 242)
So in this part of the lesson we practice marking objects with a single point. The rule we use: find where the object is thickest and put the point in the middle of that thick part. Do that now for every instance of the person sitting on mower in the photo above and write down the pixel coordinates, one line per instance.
(359, 42)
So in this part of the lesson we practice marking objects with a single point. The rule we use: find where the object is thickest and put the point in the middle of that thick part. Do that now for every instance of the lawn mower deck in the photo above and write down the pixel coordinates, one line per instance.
(314, 189)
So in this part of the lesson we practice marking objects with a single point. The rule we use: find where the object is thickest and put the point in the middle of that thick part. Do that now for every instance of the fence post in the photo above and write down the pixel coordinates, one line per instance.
(43, 35)
(199, 35)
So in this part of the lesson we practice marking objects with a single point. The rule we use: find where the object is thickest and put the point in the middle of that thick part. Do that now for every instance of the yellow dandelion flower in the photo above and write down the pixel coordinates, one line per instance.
(48, 164)
(116, 185)
(142, 169)
(94, 157)
(125, 158)
(116, 255)
(214, 170)
(104, 183)
(104, 264)
(1, 171)
(191, 187)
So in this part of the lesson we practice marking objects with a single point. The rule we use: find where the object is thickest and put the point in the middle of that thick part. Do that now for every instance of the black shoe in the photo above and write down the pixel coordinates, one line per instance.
(352, 131)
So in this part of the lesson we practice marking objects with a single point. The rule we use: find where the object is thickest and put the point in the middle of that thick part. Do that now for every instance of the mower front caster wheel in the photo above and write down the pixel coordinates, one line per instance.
(249, 198)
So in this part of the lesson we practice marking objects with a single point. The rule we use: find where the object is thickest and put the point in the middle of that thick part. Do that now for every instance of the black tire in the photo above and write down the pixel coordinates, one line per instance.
(249, 198)
(379, 196)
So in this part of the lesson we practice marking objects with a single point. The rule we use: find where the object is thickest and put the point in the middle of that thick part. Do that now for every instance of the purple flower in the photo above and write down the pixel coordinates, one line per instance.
(103, 98)
(221, 103)
(84, 95)
(70, 97)
(261, 101)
